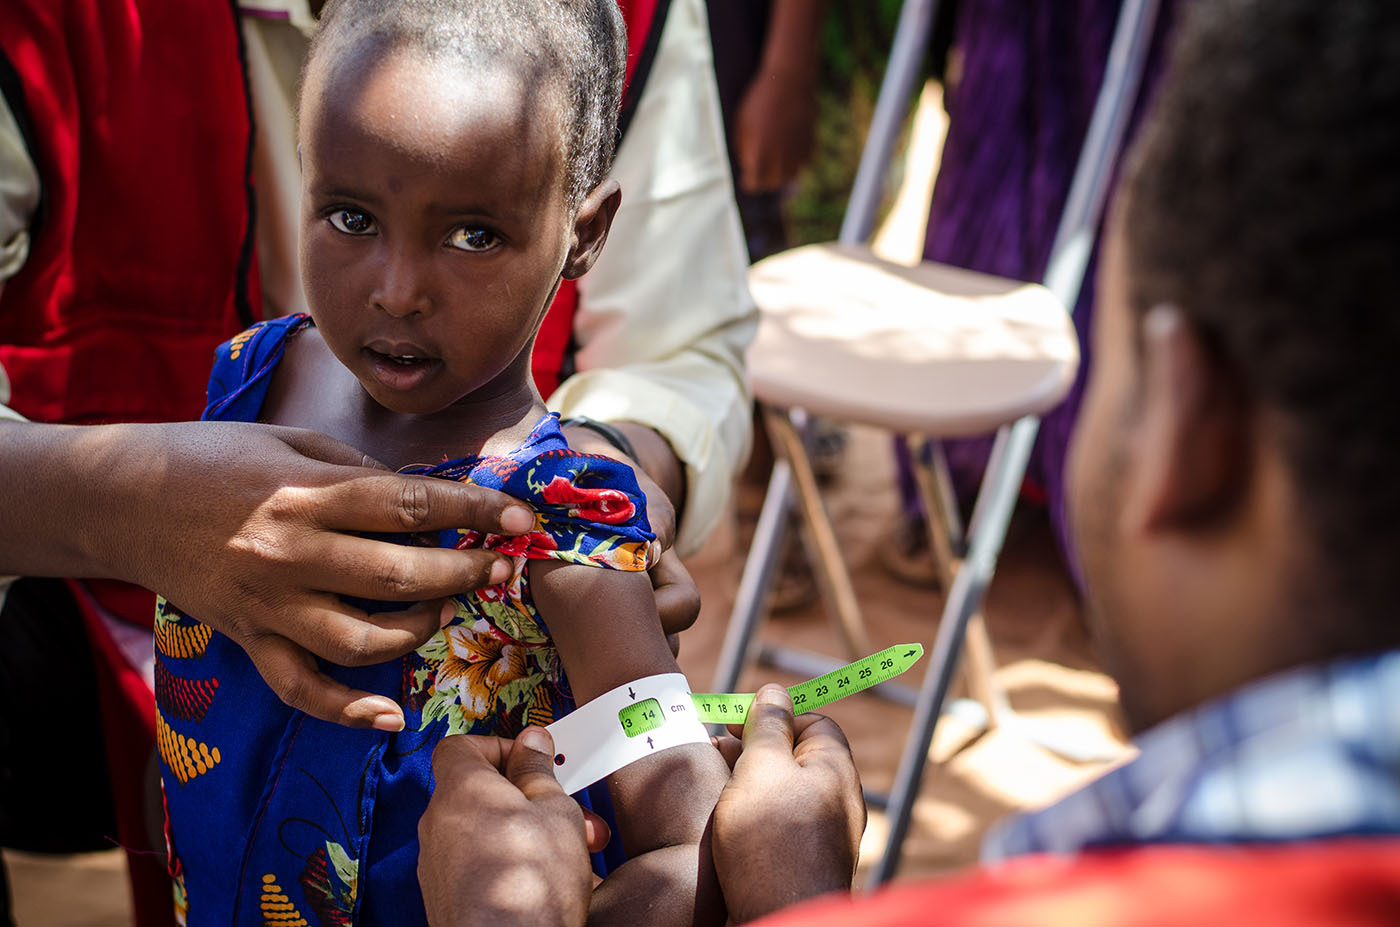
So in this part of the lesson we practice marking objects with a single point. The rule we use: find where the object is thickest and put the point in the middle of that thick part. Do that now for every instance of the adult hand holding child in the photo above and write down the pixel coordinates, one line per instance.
(502, 794)
(787, 826)
(255, 528)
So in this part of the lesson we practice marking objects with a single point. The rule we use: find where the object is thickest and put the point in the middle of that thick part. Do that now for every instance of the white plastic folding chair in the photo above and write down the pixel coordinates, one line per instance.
(932, 352)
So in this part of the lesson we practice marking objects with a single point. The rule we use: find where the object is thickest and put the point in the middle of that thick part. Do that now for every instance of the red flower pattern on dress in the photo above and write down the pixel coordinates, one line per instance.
(607, 506)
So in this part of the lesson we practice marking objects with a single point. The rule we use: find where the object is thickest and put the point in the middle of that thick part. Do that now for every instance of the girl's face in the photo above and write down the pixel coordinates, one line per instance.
(434, 225)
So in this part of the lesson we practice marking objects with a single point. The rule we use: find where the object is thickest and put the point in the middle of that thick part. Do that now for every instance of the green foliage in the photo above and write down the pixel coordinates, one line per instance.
(855, 46)
(855, 42)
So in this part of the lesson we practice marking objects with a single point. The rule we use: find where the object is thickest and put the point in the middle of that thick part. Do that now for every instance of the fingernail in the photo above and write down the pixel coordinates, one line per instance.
(537, 739)
(775, 695)
(517, 519)
(501, 571)
(388, 721)
(449, 611)
(654, 553)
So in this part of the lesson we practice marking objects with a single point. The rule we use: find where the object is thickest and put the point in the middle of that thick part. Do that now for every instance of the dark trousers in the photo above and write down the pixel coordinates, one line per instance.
(55, 795)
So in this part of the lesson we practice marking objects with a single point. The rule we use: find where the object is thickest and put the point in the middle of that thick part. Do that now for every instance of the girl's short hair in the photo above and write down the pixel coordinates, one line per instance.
(575, 50)
(1263, 199)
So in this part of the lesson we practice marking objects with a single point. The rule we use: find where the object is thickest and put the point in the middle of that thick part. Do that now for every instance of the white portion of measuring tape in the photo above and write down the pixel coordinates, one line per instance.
(593, 741)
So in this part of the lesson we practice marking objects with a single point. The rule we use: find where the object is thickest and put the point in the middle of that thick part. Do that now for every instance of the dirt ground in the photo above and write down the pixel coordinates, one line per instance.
(1045, 664)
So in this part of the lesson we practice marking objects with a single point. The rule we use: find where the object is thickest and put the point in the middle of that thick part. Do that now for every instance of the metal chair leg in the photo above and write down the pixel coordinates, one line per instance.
(750, 602)
(935, 492)
(996, 500)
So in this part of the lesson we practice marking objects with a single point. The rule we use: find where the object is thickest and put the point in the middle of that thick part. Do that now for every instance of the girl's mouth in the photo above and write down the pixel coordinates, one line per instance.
(401, 370)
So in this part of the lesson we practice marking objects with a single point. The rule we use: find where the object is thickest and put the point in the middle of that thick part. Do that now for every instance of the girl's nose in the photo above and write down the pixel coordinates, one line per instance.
(402, 289)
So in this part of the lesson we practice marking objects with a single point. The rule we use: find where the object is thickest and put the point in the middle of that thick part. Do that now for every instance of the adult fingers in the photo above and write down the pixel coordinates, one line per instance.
(371, 569)
(457, 755)
(531, 765)
(292, 673)
(820, 740)
(595, 831)
(768, 730)
(821, 747)
(729, 747)
(348, 636)
(799, 724)
(324, 448)
(661, 512)
(677, 596)
(393, 502)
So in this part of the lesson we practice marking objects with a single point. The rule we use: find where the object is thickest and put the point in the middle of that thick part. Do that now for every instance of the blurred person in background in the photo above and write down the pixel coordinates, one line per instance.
(767, 54)
(766, 58)
(1021, 81)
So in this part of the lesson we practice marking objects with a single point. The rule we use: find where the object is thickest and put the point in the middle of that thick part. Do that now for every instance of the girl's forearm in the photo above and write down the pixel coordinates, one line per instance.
(673, 885)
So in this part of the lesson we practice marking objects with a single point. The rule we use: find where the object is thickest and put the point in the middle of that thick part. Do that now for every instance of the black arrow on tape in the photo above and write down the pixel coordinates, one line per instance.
(909, 654)
(650, 745)
(630, 693)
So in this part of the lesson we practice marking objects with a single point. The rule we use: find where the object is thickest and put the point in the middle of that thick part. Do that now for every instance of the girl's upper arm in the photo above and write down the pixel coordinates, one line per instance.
(607, 632)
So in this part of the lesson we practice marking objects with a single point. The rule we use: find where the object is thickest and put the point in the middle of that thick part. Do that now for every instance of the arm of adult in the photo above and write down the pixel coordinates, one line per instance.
(787, 827)
(665, 315)
(255, 529)
(502, 794)
(774, 124)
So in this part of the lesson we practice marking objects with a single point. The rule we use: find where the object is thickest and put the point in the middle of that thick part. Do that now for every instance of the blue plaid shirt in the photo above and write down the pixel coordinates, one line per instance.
(1309, 753)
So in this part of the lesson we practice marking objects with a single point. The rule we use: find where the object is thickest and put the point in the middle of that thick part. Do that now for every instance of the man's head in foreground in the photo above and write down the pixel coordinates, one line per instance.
(1236, 474)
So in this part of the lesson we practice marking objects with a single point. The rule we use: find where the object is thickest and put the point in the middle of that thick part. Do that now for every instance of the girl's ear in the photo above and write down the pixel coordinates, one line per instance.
(591, 224)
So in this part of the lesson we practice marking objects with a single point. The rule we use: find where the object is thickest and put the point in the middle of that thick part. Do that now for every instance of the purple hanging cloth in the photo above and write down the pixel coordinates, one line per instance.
(1022, 82)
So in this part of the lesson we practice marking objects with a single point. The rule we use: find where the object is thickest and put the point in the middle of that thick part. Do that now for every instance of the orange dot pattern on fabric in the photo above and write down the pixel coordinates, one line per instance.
(239, 340)
(182, 641)
(277, 908)
(184, 756)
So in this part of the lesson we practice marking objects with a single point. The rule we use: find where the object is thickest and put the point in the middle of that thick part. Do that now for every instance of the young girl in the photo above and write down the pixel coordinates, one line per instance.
(455, 156)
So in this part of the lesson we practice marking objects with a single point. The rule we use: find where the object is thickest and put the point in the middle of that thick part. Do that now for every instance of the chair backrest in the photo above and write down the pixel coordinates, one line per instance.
(1074, 237)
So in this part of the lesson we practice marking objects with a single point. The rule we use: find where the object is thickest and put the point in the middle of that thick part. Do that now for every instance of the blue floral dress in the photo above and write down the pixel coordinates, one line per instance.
(274, 817)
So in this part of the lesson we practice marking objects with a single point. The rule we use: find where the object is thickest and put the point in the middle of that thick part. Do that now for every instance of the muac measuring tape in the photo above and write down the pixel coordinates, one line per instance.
(649, 715)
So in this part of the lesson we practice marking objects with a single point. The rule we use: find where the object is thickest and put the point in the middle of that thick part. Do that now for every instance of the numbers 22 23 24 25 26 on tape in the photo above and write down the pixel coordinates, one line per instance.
(733, 708)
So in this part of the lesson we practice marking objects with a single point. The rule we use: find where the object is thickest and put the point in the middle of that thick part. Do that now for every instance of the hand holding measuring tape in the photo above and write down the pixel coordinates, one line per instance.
(635, 720)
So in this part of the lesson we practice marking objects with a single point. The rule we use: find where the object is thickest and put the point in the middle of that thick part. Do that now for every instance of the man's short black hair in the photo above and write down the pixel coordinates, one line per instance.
(1263, 199)
(574, 49)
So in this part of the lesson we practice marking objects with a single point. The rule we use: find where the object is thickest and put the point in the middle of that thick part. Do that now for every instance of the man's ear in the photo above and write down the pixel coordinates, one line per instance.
(1193, 444)
(591, 225)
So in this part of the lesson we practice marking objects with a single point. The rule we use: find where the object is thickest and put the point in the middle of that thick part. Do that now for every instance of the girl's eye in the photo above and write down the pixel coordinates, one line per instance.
(352, 222)
(469, 239)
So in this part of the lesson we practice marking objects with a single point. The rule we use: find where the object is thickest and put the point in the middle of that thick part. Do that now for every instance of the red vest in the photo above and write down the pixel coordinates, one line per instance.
(1344, 882)
(136, 116)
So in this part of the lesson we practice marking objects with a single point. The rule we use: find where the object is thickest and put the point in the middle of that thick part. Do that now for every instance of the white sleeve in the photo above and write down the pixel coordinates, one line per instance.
(665, 315)
(19, 197)
(19, 194)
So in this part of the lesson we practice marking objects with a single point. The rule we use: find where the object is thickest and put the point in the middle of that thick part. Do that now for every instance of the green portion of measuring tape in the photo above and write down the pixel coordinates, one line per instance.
(641, 717)
(733, 708)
